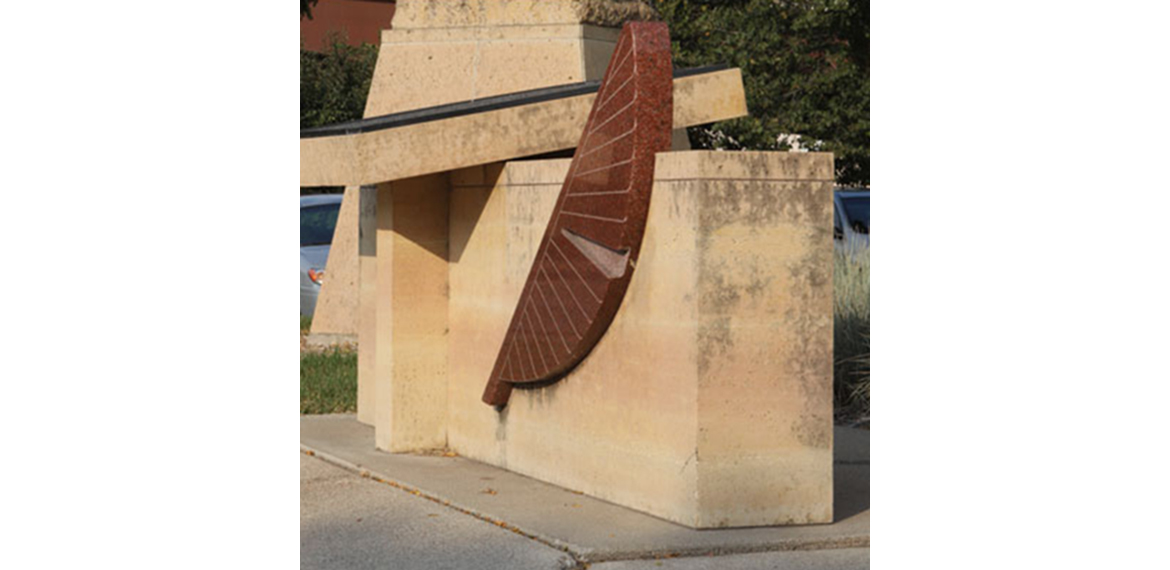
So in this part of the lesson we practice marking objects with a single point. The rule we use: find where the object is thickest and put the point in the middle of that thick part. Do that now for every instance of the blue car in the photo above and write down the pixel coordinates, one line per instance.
(318, 218)
(851, 219)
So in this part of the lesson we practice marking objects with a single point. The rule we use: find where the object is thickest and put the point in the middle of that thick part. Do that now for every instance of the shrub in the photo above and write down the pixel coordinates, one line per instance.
(805, 72)
(335, 83)
(851, 335)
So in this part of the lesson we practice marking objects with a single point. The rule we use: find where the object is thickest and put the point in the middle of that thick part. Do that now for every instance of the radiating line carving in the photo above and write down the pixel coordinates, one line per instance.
(587, 256)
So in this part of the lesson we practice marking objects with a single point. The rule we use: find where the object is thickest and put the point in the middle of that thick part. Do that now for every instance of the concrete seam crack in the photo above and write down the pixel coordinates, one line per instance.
(366, 474)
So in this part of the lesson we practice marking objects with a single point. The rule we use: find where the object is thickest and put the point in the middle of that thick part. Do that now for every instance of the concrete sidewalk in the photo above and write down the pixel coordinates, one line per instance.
(352, 522)
(590, 530)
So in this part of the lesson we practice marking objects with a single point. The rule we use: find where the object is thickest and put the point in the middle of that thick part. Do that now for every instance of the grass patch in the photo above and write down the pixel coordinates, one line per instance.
(306, 322)
(328, 382)
(851, 336)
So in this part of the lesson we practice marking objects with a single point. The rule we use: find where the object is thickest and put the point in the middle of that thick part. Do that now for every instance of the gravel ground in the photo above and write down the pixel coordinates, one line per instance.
(305, 348)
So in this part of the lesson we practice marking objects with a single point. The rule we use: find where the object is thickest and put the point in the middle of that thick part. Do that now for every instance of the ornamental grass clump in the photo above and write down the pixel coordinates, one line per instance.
(851, 336)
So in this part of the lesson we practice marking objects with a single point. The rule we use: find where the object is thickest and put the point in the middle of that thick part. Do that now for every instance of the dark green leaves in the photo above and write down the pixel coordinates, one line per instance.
(334, 84)
(806, 72)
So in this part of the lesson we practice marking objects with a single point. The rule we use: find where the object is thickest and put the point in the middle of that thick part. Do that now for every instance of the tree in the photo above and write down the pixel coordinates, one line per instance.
(306, 8)
(334, 84)
(805, 68)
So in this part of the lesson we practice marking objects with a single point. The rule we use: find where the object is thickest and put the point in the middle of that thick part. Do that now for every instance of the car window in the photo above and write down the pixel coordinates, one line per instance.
(857, 211)
(317, 224)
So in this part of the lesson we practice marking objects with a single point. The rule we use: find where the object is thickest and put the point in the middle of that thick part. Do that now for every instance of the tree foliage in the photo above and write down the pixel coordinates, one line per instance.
(334, 84)
(307, 8)
(805, 69)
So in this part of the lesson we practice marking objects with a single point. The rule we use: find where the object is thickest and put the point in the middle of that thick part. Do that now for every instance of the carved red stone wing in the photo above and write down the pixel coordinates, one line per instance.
(587, 256)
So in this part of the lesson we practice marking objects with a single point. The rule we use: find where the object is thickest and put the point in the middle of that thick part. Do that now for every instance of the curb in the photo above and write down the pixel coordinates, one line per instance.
(585, 555)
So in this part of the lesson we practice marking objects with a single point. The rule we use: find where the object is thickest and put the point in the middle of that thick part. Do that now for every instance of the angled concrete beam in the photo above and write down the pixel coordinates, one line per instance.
(416, 147)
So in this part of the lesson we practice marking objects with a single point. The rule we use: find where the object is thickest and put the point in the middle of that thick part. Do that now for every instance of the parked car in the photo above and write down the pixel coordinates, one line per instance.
(318, 218)
(851, 218)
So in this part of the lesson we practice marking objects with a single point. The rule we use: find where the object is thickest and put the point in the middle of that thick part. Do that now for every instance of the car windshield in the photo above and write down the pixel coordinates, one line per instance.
(317, 224)
(857, 211)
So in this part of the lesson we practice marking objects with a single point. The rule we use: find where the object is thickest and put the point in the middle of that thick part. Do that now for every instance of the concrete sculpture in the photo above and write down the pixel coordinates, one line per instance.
(708, 399)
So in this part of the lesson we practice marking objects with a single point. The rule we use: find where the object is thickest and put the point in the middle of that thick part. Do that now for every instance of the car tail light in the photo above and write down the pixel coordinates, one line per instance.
(317, 275)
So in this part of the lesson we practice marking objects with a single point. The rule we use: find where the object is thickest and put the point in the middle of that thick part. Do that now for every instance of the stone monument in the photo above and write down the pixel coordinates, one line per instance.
(707, 398)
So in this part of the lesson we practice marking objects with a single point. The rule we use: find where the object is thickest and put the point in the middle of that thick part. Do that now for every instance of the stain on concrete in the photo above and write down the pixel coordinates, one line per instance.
(728, 282)
(744, 202)
(810, 359)
(715, 341)
(502, 430)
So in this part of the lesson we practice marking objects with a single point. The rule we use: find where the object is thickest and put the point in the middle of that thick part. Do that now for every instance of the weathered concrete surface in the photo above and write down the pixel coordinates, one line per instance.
(763, 249)
(593, 530)
(367, 303)
(427, 67)
(445, 51)
(708, 401)
(838, 559)
(499, 13)
(493, 136)
(349, 522)
(454, 50)
(335, 318)
(655, 418)
(410, 355)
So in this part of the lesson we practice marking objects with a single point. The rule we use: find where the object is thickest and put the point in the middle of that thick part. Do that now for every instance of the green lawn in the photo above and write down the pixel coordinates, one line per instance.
(328, 379)
(328, 382)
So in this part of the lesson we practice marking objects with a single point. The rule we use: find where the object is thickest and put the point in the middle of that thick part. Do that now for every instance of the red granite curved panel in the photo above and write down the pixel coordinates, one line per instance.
(587, 256)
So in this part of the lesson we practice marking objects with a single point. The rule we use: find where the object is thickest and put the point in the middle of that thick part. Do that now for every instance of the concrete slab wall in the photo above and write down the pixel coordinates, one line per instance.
(335, 318)
(708, 401)
(410, 353)
(586, 432)
(416, 68)
(765, 328)
(367, 302)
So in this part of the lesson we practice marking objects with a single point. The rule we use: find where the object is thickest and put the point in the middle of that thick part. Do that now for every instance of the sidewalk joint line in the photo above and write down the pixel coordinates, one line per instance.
(367, 474)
